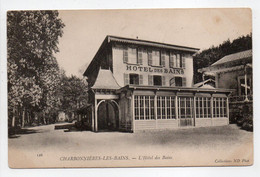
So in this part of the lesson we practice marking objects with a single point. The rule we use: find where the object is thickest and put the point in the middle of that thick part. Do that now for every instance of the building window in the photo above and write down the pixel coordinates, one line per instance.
(176, 60)
(156, 58)
(219, 107)
(185, 107)
(157, 80)
(132, 55)
(165, 107)
(134, 79)
(178, 81)
(203, 108)
(244, 85)
(144, 107)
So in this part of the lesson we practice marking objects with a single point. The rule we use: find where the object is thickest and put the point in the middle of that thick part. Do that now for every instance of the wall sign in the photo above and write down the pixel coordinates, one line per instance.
(155, 70)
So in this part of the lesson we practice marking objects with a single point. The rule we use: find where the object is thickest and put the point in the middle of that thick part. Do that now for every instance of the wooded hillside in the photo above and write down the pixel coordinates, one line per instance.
(211, 55)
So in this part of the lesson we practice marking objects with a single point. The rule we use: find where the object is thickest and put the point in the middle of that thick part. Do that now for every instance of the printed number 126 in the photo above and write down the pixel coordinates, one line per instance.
(39, 155)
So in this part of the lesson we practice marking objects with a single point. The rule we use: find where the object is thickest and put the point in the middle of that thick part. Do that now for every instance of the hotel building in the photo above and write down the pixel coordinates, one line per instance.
(138, 85)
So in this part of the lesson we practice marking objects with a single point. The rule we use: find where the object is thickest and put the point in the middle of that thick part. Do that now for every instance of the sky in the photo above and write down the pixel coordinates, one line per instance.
(85, 30)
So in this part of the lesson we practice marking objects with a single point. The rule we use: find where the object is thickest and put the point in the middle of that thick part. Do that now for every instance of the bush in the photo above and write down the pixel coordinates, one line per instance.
(246, 118)
(243, 116)
(248, 123)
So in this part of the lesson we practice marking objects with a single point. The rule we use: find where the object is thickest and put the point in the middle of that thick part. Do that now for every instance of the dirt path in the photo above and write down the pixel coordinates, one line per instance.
(182, 144)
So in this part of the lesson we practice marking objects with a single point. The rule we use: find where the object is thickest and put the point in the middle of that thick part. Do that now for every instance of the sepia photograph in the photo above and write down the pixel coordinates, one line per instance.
(130, 88)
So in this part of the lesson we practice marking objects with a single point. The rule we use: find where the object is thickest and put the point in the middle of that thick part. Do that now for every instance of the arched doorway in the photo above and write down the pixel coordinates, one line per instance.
(108, 115)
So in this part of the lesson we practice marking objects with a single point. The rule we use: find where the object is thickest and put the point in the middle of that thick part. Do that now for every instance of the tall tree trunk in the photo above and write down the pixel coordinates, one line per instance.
(23, 117)
(13, 118)
(72, 116)
(32, 120)
(44, 118)
(19, 116)
(27, 118)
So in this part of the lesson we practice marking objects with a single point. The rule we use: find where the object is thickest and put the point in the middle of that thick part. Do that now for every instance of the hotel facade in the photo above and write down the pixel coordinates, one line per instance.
(139, 85)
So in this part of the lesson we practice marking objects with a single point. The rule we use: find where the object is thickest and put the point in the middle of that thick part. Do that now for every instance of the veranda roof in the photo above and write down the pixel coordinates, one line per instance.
(177, 89)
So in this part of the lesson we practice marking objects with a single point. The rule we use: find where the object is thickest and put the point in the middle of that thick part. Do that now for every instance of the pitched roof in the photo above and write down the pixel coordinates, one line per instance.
(105, 80)
(206, 86)
(230, 62)
(151, 43)
(199, 84)
(234, 57)
(140, 42)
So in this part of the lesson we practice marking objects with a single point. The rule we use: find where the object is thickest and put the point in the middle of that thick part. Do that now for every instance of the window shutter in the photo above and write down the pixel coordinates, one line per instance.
(125, 55)
(140, 79)
(162, 58)
(172, 82)
(163, 81)
(150, 59)
(126, 79)
(174, 60)
(171, 60)
(184, 81)
(178, 60)
(150, 80)
(183, 61)
(140, 57)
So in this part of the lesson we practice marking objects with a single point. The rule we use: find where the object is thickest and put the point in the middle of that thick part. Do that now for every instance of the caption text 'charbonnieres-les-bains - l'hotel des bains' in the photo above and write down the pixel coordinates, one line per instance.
(138, 85)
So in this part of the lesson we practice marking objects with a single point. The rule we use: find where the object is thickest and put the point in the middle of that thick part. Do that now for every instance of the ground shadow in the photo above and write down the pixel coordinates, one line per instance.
(64, 126)
(71, 127)
(15, 132)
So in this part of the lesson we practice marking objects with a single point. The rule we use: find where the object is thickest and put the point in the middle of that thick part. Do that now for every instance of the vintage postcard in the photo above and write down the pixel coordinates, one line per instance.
(130, 88)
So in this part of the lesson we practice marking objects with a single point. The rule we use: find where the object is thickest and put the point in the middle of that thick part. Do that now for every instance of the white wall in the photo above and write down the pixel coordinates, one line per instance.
(119, 68)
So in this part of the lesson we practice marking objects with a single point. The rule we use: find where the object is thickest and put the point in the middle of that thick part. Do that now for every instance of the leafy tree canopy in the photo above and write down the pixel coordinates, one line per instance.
(33, 71)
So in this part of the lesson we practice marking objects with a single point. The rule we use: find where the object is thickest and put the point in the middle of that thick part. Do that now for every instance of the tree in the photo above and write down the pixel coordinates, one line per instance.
(211, 55)
(73, 93)
(32, 40)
